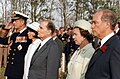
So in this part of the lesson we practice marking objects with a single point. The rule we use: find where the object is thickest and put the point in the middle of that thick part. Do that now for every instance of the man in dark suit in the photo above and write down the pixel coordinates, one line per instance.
(58, 41)
(105, 63)
(117, 28)
(60, 45)
(19, 43)
(45, 61)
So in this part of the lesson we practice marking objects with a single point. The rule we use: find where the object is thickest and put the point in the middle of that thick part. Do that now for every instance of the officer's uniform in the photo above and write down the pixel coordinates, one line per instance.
(15, 64)
(19, 43)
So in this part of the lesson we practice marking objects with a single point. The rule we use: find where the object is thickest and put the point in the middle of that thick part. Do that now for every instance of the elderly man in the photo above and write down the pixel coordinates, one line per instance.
(19, 43)
(45, 61)
(105, 63)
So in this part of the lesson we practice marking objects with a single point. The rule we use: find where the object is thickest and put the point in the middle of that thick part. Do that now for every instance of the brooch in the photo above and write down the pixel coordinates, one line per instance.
(104, 48)
(19, 47)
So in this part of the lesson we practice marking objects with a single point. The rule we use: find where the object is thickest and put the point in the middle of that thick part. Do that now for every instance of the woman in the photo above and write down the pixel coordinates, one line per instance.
(32, 34)
(79, 61)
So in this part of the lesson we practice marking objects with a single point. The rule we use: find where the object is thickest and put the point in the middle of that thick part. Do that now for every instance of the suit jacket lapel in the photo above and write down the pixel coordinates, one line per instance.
(95, 56)
(98, 52)
(40, 51)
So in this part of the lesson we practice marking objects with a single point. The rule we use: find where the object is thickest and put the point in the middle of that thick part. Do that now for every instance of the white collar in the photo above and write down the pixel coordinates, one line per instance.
(23, 30)
(54, 37)
(44, 41)
(106, 38)
(116, 31)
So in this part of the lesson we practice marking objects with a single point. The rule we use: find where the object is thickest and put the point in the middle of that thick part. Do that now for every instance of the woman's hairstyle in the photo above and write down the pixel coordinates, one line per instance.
(31, 30)
(86, 34)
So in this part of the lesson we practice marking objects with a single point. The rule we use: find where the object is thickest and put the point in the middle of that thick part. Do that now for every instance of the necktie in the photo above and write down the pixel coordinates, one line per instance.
(97, 48)
(98, 45)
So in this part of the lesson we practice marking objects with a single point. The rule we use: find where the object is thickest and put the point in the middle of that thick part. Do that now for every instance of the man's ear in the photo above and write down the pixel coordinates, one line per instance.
(49, 32)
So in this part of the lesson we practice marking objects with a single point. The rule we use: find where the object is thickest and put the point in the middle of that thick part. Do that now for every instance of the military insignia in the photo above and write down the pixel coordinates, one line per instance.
(18, 39)
(24, 39)
(21, 39)
(63, 39)
(19, 47)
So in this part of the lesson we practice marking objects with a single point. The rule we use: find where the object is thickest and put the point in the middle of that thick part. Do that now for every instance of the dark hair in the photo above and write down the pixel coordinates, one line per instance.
(118, 24)
(109, 16)
(71, 28)
(61, 28)
(56, 31)
(50, 26)
(31, 30)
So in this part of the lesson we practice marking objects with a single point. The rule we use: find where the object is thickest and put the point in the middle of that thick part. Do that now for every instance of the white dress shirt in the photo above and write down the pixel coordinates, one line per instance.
(31, 50)
(106, 38)
(23, 29)
(44, 41)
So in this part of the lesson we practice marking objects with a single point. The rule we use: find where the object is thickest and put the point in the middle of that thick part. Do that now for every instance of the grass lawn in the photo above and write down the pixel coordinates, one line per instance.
(2, 70)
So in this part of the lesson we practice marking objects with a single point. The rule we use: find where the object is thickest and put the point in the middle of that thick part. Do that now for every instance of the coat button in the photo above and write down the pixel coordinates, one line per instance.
(12, 58)
(8, 57)
(14, 49)
(11, 62)
(13, 53)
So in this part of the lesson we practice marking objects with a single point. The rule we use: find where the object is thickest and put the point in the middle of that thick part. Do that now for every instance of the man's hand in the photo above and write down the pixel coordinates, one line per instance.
(9, 25)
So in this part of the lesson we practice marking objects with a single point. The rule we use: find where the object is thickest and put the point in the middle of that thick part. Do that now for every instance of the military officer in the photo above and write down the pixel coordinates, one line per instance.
(19, 43)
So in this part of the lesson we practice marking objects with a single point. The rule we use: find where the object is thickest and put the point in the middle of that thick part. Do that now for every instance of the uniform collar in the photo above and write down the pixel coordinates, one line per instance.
(23, 30)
